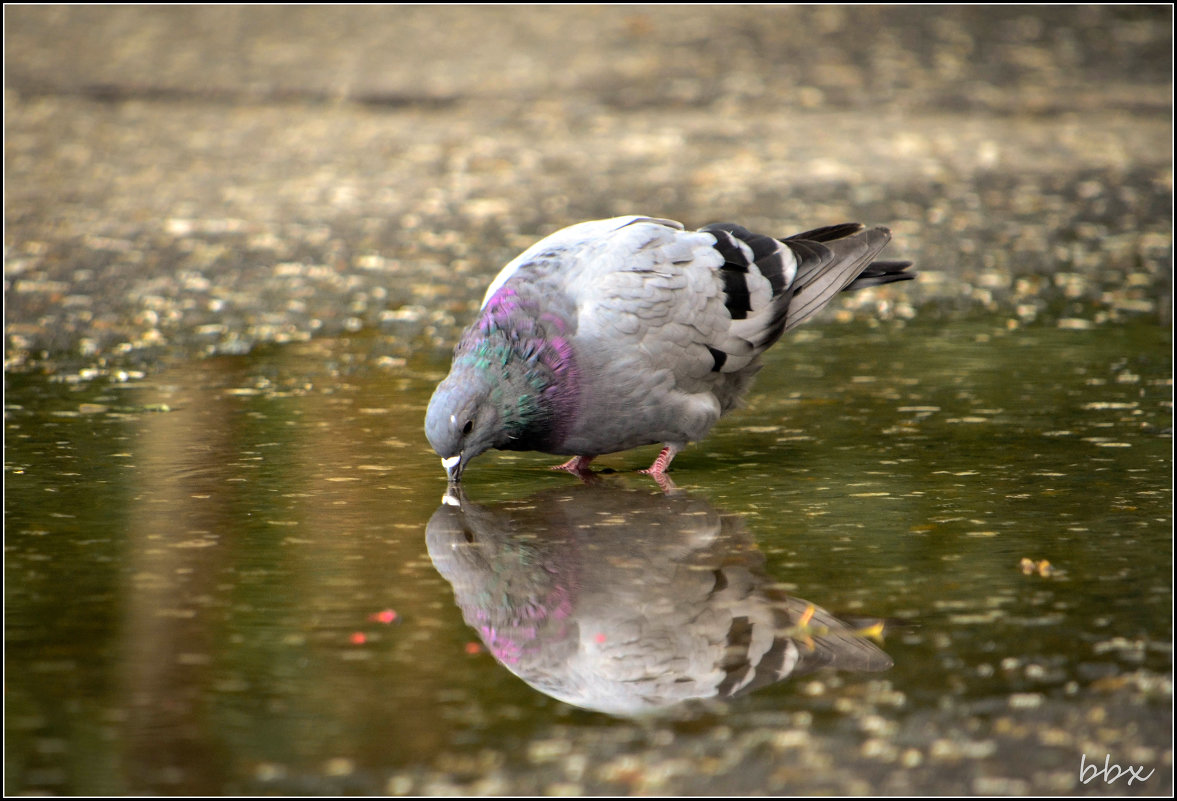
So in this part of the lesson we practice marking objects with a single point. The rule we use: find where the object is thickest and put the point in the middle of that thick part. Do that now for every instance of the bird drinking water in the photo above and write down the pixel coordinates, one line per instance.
(612, 334)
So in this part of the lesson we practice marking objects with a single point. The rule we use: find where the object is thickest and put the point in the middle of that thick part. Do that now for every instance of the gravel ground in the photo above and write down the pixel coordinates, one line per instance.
(196, 180)
(978, 748)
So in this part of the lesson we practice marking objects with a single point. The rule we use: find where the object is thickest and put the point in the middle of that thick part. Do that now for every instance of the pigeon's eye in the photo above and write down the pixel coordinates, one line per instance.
(466, 429)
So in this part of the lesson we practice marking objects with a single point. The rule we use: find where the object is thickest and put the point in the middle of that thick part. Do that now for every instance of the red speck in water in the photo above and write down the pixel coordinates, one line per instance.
(383, 616)
(600, 638)
(473, 648)
(358, 638)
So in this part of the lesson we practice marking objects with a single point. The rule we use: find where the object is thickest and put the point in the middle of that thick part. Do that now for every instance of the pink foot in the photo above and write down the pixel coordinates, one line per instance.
(662, 462)
(663, 481)
(577, 466)
(658, 470)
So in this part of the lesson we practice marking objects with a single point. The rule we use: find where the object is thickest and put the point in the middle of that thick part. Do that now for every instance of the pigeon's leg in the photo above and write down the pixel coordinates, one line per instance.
(662, 462)
(664, 483)
(577, 466)
(658, 470)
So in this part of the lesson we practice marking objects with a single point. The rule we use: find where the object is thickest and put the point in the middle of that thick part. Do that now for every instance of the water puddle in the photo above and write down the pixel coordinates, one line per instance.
(630, 602)
(923, 558)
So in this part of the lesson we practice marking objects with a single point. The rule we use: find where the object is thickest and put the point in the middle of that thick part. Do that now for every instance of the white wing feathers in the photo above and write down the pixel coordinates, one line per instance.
(571, 241)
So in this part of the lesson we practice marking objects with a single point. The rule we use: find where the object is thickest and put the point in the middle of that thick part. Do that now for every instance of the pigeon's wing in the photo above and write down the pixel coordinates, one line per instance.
(564, 251)
(652, 288)
(711, 301)
(694, 302)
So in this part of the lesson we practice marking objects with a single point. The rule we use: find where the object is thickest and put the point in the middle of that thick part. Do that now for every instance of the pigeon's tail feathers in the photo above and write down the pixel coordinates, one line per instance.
(766, 643)
(828, 233)
(830, 642)
(832, 259)
(878, 273)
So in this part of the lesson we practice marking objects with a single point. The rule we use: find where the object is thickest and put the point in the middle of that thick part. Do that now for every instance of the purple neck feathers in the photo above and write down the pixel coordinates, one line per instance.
(532, 346)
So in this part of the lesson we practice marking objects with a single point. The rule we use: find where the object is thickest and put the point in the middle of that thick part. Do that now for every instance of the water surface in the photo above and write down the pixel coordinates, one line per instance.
(218, 578)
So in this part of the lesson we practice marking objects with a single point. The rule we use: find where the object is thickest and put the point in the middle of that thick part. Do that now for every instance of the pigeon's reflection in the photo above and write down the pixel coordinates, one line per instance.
(626, 602)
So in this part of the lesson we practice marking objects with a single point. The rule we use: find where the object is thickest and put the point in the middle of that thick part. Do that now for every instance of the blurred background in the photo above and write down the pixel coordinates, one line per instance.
(240, 242)
(200, 179)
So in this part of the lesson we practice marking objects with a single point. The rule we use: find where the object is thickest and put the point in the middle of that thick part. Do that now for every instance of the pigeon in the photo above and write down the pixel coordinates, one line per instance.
(630, 602)
(612, 334)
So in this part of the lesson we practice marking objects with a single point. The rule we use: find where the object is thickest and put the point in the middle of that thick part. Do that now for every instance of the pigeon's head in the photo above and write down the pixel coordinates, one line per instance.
(462, 421)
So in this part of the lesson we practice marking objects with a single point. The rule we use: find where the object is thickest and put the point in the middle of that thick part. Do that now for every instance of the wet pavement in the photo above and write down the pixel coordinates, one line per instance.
(240, 243)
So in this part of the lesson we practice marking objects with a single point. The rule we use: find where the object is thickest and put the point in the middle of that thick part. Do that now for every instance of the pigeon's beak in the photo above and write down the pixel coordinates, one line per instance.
(453, 468)
(453, 496)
